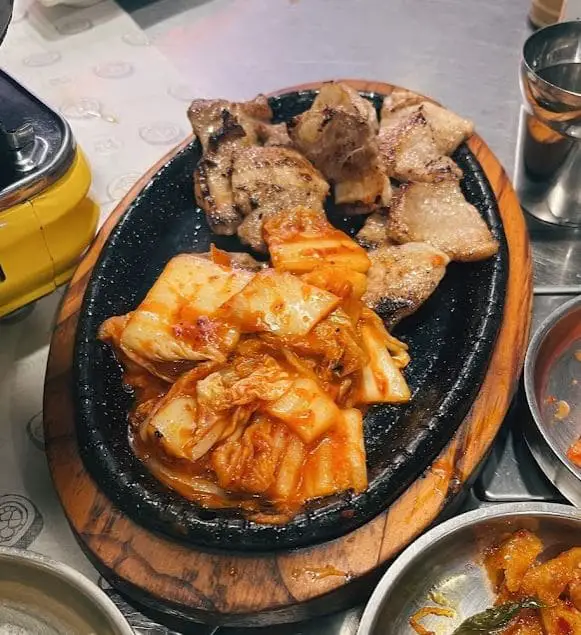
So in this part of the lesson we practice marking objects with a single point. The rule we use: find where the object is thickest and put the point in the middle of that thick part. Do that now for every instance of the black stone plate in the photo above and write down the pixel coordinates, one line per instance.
(451, 339)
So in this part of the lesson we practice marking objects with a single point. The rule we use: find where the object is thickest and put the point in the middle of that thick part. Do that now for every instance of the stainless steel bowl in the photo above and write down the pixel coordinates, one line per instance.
(39, 596)
(444, 563)
(552, 375)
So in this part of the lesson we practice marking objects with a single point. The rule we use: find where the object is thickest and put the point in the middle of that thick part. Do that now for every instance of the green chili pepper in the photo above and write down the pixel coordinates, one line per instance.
(491, 620)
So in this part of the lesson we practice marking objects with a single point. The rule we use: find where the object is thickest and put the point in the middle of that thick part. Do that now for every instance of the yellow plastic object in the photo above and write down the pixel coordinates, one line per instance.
(41, 240)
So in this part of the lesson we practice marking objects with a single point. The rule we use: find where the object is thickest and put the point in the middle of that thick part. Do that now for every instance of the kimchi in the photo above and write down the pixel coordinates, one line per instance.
(250, 386)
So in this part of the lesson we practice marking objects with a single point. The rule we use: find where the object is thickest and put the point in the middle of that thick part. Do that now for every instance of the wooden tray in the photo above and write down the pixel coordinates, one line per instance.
(261, 589)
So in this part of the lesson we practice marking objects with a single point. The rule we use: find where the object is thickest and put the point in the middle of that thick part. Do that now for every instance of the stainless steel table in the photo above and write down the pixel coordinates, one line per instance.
(465, 53)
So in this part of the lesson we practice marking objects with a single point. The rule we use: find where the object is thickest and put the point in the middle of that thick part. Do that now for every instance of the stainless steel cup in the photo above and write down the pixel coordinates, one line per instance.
(548, 171)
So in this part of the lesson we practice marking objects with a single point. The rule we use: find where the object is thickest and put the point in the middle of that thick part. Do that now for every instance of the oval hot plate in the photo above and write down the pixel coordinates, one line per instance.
(451, 339)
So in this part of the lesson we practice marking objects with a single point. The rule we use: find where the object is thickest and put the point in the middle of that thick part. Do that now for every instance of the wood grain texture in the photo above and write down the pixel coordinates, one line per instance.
(263, 589)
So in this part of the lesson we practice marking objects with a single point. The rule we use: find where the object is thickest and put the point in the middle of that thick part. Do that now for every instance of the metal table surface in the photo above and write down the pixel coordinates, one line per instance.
(464, 53)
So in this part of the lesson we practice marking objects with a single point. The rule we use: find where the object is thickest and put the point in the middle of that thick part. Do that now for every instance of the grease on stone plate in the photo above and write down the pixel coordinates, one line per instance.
(318, 573)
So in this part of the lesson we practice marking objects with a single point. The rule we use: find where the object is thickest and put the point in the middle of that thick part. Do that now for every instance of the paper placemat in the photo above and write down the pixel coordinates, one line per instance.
(127, 107)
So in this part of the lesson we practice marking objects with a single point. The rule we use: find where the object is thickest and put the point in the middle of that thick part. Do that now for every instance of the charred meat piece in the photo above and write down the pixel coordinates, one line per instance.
(266, 180)
(373, 234)
(438, 213)
(449, 129)
(223, 127)
(250, 231)
(338, 134)
(213, 193)
(242, 260)
(271, 179)
(409, 151)
(215, 121)
(401, 278)
(365, 192)
(274, 134)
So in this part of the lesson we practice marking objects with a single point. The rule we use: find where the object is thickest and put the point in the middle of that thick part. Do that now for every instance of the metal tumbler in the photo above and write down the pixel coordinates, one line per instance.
(548, 170)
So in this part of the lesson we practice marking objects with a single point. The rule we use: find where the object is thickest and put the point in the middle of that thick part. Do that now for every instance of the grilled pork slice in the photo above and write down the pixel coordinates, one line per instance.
(250, 231)
(339, 135)
(402, 277)
(365, 191)
(274, 134)
(438, 213)
(373, 234)
(217, 120)
(448, 128)
(266, 180)
(222, 128)
(409, 150)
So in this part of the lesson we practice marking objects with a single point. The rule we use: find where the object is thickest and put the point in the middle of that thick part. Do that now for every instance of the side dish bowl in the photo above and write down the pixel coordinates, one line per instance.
(552, 378)
(446, 564)
(40, 595)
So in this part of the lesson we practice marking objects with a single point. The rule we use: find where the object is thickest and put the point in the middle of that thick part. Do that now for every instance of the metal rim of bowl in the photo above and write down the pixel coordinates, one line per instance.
(556, 457)
(472, 518)
(76, 579)
(558, 26)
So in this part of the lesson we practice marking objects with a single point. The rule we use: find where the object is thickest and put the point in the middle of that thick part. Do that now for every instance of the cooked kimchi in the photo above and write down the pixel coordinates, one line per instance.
(250, 386)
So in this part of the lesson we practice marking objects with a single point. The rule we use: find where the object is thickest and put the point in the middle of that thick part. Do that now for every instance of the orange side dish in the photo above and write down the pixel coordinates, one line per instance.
(574, 453)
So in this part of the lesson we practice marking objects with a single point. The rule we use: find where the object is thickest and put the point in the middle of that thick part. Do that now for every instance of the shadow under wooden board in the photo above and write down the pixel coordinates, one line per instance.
(265, 588)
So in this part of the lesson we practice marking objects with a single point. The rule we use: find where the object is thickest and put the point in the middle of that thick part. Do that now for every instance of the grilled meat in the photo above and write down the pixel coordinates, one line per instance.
(238, 260)
(338, 134)
(448, 128)
(365, 192)
(266, 180)
(401, 278)
(274, 134)
(409, 151)
(223, 128)
(215, 121)
(438, 213)
(416, 136)
(373, 234)
(250, 231)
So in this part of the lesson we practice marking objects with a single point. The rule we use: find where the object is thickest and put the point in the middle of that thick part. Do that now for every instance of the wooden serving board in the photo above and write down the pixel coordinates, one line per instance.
(260, 589)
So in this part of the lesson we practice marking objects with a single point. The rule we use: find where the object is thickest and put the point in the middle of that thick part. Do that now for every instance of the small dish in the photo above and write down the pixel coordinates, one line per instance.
(41, 596)
(552, 378)
(445, 564)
